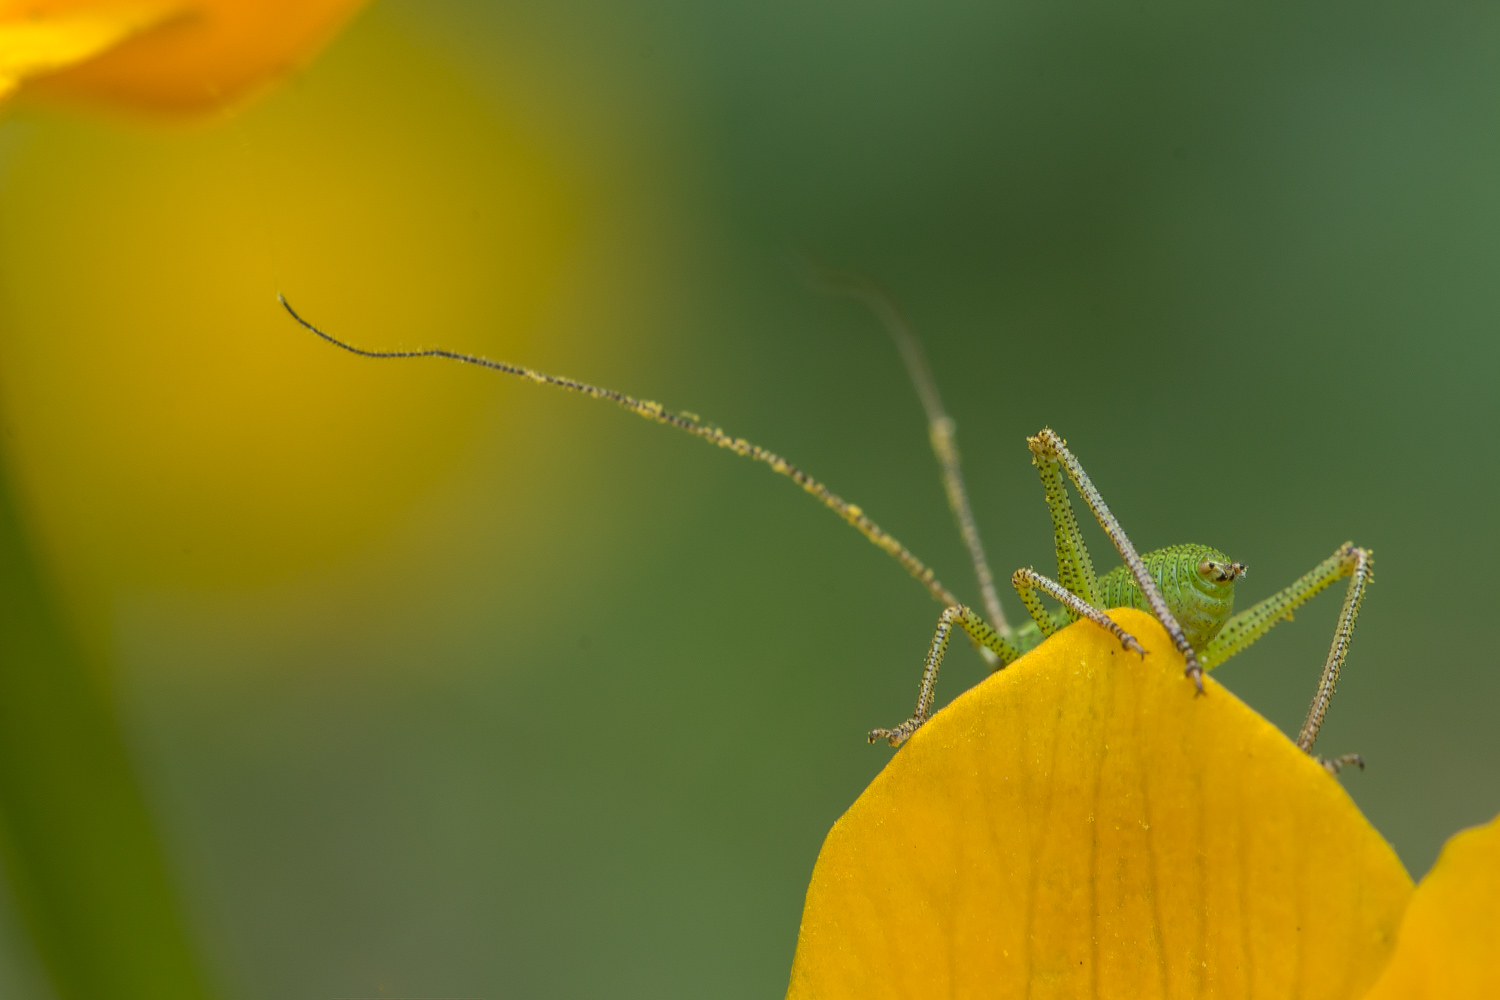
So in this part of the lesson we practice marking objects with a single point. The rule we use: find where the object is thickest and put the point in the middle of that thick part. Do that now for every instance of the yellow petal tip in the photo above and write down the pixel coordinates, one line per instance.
(1080, 824)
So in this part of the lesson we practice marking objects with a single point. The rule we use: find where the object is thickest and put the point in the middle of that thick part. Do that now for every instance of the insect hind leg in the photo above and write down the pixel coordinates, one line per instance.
(1358, 563)
(1048, 447)
(1249, 625)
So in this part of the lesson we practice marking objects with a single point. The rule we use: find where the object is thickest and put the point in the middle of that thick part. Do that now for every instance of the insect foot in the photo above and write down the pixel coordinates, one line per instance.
(1333, 765)
(899, 735)
(1126, 639)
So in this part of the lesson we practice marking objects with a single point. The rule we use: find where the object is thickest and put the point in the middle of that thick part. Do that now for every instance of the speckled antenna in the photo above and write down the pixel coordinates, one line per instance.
(694, 425)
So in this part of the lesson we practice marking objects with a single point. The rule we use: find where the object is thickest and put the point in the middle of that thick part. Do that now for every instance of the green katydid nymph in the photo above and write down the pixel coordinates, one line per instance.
(1188, 588)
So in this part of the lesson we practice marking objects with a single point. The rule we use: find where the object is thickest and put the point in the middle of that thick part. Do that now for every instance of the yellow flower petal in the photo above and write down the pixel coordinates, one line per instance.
(1080, 825)
(1450, 938)
(34, 43)
(203, 56)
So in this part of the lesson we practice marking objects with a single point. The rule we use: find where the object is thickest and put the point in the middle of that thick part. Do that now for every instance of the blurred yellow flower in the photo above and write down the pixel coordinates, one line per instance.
(1450, 938)
(161, 422)
(1080, 825)
(173, 57)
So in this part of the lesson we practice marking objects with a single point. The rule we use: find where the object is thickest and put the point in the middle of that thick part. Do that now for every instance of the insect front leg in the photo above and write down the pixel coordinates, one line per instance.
(980, 632)
(1249, 625)
(1028, 581)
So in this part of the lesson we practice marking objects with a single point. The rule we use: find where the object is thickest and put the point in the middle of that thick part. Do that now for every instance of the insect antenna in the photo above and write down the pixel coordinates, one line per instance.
(687, 422)
(940, 426)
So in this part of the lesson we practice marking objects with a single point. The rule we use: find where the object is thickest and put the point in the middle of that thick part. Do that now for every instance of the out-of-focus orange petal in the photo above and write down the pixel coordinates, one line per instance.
(208, 54)
(1449, 945)
(36, 44)
(1080, 825)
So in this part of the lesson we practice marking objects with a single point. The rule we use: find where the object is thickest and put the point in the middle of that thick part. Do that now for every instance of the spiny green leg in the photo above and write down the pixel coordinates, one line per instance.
(1075, 570)
(1028, 581)
(980, 632)
(1359, 563)
(1048, 447)
(1249, 625)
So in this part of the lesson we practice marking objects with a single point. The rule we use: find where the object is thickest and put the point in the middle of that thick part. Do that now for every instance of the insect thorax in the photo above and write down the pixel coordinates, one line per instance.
(1196, 581)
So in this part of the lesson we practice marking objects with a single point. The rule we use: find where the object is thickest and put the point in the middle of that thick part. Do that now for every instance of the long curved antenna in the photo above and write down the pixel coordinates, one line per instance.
(654, 411)
(940, 426)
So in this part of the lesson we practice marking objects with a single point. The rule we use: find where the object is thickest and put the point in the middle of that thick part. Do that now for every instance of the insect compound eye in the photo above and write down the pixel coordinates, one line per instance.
(1212, 569)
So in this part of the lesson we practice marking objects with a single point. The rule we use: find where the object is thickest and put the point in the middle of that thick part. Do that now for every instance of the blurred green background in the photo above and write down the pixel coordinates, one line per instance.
(441, 684)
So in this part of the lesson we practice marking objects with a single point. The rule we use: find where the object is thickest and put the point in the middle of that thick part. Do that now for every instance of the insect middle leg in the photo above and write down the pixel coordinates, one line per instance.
(980, 632)
(1249, 625)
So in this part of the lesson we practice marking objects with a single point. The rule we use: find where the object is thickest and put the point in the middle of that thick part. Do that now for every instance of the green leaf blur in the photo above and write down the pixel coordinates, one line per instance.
(83, 860)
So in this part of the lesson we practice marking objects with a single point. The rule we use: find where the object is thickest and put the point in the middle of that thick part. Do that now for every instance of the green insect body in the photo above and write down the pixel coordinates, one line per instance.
(1188, 588)
(1196, 581)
